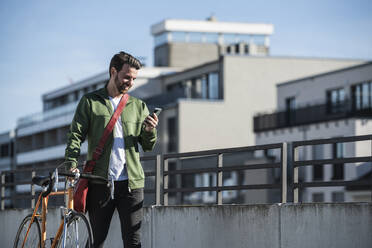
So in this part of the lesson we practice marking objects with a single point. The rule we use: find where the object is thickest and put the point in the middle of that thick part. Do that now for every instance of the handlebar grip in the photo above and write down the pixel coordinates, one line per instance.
(90, 176)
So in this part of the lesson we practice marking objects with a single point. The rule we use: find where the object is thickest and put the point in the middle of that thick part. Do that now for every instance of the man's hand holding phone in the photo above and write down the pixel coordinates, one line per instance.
(152, 120)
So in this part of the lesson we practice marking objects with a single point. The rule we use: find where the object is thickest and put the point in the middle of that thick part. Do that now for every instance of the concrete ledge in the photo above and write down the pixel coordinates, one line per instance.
(278, 225)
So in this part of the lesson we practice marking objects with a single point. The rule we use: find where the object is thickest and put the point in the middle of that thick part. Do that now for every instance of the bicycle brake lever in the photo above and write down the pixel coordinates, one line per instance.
(56, 180)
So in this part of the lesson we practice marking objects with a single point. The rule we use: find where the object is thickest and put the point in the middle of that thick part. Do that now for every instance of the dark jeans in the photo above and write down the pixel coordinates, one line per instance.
(129, 206)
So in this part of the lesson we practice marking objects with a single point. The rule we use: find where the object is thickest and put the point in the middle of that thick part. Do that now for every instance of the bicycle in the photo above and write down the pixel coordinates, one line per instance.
(74, 229)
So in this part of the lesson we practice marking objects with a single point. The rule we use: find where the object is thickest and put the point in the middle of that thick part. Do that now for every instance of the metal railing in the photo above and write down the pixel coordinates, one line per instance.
(289, 155)
(308, 115)
(296, 185)
(219, 169)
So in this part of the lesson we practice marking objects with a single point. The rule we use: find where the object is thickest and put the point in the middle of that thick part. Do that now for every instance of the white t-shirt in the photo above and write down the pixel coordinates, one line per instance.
(118, 169)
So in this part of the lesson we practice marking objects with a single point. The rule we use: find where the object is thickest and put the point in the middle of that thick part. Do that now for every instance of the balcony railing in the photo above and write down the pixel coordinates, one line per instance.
(163, 175)
(46, 115)
(309, 115)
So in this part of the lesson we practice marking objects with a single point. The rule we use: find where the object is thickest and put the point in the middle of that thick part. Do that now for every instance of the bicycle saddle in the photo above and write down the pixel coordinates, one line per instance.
(41, 180)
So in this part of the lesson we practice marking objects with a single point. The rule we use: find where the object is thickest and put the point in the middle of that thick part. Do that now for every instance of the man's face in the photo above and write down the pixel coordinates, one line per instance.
(124, 79)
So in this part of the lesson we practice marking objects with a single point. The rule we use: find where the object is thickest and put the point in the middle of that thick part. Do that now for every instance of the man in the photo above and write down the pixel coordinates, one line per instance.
(119, 161)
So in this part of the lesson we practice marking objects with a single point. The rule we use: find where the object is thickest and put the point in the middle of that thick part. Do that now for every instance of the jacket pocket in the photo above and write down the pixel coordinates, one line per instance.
(132, 128)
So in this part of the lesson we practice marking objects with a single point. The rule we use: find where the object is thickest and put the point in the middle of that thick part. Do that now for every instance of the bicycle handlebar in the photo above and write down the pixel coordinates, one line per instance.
(73, 175)
(83, 175)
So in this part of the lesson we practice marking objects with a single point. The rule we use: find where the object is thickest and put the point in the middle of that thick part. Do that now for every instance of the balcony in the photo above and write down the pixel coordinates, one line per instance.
(167, 98)
(309, 115)
(46, 115)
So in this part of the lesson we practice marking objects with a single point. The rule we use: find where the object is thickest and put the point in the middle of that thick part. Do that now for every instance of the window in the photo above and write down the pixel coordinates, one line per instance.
(76, 94)
(195, 37)
(204, 87)
(161, 39)
(229, 38)
(338, 169)
(336, 101)
(318, 197)
(175, 86)
(290, 105)
(246, 48)
(237, 48)
(213, 85)
(362, 96)
(210, 87)
(196, 88)
(4, 150)
(317, 155)
(338, 197)
(211, 38)
(178, 36)
(258, 39)
(172, 134)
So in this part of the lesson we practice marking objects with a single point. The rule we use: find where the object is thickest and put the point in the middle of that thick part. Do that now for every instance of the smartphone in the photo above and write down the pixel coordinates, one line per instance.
(157, 111)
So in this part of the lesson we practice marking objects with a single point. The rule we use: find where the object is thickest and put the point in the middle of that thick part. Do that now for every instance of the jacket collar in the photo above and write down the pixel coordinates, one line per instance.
(103, 93)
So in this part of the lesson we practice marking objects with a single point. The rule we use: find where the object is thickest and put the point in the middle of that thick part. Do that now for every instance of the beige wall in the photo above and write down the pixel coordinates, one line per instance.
(249, 87)
(185, 54)
(313, 90)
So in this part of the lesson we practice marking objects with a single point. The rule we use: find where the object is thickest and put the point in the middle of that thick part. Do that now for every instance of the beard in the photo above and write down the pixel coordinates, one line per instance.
(122, 88)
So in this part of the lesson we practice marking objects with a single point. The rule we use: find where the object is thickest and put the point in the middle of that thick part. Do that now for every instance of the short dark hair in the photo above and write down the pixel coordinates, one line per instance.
(122, 58)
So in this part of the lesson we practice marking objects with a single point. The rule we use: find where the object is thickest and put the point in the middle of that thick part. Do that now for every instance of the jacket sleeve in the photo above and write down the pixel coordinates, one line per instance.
(77, 133)
(147, 139)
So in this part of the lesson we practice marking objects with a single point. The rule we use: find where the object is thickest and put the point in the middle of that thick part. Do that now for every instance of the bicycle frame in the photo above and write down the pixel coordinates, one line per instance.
(44, 200)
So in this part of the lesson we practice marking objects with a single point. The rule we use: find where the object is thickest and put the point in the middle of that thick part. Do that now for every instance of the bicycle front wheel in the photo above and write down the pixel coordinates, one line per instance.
(78, 232)
(33, 238)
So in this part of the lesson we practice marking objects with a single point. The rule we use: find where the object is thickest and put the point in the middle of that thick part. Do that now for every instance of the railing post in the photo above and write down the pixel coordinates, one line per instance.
(219, 179)
(2, 191)
(166, 180)
(33, 173)
(178, 181)
(159, 180)
(295, 174)
(284, 172)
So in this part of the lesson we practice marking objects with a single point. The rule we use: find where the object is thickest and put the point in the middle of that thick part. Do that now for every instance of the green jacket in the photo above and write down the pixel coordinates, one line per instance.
(91, 117)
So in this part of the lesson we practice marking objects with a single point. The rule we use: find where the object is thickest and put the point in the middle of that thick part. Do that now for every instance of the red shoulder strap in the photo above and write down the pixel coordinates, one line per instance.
(99, 149)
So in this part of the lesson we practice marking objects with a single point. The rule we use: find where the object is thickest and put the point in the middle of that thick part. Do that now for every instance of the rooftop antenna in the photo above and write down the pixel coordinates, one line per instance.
(212, 18)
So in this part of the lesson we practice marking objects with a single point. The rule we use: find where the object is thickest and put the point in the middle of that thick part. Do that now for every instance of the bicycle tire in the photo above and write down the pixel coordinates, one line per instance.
(34, 236)
(84, 236)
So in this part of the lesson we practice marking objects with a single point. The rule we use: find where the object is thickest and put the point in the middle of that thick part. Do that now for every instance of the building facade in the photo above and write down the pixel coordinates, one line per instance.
(7, 162)
(328, 105)
(185, 43)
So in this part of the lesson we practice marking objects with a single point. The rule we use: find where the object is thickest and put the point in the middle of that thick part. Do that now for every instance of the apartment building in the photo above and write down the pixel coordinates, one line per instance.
(6, 161)
(6, 150)
(326, 105)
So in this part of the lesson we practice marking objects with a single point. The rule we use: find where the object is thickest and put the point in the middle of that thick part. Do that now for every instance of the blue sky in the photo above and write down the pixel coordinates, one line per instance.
(47, 44)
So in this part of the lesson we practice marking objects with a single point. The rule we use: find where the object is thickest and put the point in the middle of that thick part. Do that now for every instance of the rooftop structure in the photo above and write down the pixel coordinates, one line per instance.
(188, 42)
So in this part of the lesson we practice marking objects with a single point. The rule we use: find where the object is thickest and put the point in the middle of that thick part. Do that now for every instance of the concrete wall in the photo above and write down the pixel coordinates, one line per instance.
(185, 54)
(248, 87)
(273, 226)
(313, 90)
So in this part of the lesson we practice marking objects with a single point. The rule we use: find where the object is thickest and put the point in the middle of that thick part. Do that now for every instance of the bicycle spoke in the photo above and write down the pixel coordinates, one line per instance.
(78, 232)
(30, 239)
